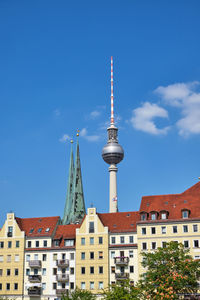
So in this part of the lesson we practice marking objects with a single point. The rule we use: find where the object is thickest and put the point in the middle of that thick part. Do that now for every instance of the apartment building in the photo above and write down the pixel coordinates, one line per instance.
(12, 240)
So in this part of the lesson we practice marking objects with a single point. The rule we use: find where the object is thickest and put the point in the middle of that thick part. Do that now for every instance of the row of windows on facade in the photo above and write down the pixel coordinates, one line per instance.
(91, 270)
(92, 285)
(163, 244)
(100, 240)
(63, 286)
(9, 244)
(44, 256)
(9, 258)
(122, 239)
(8, 286)
(174, 229)
(122, 269)
(92, 255)
(43, 271)
(162, 215)
(8, 272)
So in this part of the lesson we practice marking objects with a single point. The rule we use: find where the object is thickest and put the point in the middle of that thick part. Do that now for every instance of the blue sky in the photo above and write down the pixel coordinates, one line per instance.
(55, 78)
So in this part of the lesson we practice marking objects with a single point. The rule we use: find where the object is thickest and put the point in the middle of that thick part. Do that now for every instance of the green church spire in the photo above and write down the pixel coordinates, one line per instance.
(68, 203)
(78, 205)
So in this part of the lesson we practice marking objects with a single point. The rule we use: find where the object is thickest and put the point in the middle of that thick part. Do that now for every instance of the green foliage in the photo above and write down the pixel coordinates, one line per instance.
(123, 291)
(170, 271)
(79, 294)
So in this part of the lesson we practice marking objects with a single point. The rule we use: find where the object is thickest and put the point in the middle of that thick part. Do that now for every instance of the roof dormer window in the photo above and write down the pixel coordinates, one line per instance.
(163, 215)
(154, 215)
(143, 216)
(185, 214)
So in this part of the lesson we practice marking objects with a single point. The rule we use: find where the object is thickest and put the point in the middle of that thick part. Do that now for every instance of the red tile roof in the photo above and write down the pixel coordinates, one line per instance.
(26, 224)
(120, 221)
(174, 203)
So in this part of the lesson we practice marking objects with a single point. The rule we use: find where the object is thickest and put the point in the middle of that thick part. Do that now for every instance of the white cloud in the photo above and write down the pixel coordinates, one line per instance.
(90, 138)
(185, 97)
(95, 114)
(64, 138)
(143, 118)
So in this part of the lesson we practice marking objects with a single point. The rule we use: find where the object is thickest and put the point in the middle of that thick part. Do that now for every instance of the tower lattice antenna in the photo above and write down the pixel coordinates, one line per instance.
(112, 97)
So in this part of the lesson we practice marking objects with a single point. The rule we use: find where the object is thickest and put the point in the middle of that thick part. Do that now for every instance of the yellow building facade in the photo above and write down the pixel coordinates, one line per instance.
(11, 258)
(92, 258)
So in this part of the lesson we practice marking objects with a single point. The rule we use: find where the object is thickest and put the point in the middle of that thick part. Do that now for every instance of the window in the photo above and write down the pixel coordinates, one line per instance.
(10, 231)
(91, 227)
(72, 256)
(163, 229)
(163, 216)
(7, 286)
(72, 271)
(17, 244)
(15, 286)
(112, 254)
(153, 216)
(131, 239)
(1, 272)
(122, 239)
(16, 272)
(0, 286)
(143, 217)
(113, 269)
(35, 256)
(100, 270)
(83, 285)
(55, 256)
(56, 243)
(54, 285)
(164, 244)
(144, 230)
(71, 285)
(31, 230)
(35, 271)
(153, 230)
(185, 214)
(131, 269)
(44, 271)
(186, 244)
(130, 253)
(91, 270)
(28, 257)
(100, 254)
(9, 244)
(91, 241)
(175, 230)
(100, 240)
(144, 246)
(47, 229)
(45, 243)
(91, 255)
(82, 255)
(195, 228)
(91, 285)
(82, 270)
(82, 241)
(1, 244)
(54, 271)
(8, 272)
(185, 228)
(1, 258)
(39, 230)
(196, 243)
(100, 285)
(113, 239)
(29, 244)
(27, 272)
(44, 257)
(8, 258)
(153, 245)
(69, 242)
(36, 243)
(44, 286)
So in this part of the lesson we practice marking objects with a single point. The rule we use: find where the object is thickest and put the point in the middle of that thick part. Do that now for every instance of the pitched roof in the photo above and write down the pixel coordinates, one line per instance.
(174, 203)
(120, 221)
(45, 225)
(66, 232)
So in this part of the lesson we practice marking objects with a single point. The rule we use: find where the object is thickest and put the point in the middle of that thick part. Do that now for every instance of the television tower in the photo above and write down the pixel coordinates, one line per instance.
(112, 153)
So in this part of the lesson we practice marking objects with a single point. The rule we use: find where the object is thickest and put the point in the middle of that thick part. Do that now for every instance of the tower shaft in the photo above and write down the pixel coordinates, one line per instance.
(113, 207)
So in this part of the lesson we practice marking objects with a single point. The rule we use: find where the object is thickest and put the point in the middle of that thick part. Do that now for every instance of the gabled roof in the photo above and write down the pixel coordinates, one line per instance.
(66, 232)
(174, 203)
(120, 221)
(45, 225)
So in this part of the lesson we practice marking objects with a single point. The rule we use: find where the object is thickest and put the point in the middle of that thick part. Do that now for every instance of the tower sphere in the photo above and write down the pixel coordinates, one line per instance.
(112, 153)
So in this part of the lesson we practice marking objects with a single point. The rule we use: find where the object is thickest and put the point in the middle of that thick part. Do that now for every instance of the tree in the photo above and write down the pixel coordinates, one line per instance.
(79, 294)
(122, 290)
(171, 271)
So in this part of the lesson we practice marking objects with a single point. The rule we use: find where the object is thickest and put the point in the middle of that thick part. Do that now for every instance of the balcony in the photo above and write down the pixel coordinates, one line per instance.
(34, 291)
(62, 263)
(34, 278)
(61, 292)
(122, 261)
(121, 276)
(62, 277)
(35, 263)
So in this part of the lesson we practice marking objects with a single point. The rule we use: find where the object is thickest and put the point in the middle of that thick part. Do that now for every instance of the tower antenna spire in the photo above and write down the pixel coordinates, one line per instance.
(112, 97)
